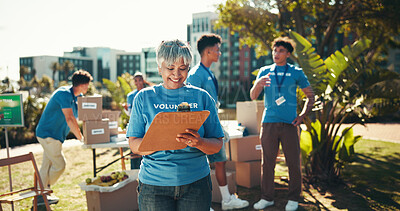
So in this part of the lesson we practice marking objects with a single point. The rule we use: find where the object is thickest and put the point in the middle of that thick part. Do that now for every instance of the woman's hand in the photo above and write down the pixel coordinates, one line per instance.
(191, 138)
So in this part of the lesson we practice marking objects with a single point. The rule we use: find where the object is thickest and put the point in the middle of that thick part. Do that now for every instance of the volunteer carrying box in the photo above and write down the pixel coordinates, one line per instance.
(249, 114)
(96, 131)
(90, 108)
(246, 148)
(248, 174)
(113, 116)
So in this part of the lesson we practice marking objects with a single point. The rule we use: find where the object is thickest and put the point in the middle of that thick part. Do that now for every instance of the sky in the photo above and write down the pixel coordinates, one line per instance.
(52, 27)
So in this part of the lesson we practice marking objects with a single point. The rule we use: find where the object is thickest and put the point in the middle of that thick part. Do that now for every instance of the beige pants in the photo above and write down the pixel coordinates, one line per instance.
(53, 164)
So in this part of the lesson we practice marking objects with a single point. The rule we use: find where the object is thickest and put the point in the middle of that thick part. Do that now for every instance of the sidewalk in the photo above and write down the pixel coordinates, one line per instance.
(389, 132)
(35, 148)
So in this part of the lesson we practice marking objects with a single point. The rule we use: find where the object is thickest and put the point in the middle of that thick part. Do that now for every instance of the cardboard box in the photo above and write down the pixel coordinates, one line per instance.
(248, 174)
(90, 108)
(113, 124)
(96, 131)
(230, 179)
(249, 114)
(247, 148)
(124, 198)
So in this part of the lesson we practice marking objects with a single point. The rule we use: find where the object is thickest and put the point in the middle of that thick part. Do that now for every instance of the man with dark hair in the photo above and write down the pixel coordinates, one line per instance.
(201, 76)
(58, 118)
(280, 122)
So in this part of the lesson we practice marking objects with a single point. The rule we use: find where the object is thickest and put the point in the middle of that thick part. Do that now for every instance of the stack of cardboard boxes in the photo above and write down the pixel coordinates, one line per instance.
(98, 125)
(244, 154)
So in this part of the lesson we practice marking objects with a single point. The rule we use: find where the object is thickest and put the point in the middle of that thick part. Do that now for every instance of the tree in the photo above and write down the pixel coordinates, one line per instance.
(67, 66)
(342, 83)
(23, 70)
(343, 80)
(55, 66)
(316, 20)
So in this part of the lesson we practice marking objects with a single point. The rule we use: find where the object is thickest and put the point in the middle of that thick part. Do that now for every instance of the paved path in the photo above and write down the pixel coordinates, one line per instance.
(376, 131)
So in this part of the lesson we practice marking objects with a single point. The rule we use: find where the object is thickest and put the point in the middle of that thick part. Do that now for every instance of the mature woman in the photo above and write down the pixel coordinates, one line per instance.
(175, 179)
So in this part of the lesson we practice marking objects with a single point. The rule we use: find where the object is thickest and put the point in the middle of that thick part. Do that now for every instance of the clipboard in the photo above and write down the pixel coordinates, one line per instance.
(162, 132)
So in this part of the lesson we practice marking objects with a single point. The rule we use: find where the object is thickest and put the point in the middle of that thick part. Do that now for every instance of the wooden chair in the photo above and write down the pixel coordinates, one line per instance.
(35, 191)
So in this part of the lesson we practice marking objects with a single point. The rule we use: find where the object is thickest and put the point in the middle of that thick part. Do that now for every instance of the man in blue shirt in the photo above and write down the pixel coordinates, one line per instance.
(58, 118)
(140, 84)
(201, 76)
(280, 121)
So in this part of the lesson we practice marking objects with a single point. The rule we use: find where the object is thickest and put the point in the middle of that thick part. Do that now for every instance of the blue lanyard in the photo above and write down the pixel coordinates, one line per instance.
(212, 77)
(279, 83)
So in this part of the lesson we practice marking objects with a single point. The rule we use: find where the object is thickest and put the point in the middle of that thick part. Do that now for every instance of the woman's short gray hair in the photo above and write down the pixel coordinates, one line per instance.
(171, 51)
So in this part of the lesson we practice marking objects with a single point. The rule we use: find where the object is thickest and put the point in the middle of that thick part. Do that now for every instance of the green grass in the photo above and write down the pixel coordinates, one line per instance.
(371, 182)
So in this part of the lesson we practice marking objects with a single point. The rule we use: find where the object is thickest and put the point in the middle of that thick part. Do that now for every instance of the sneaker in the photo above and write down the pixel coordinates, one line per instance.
(262, 204)
(211, 209)
(292, 205)
(234, 203)
(51, 199)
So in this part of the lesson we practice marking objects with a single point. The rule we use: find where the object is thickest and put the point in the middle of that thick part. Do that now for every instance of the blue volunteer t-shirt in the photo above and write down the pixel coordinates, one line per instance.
(202, 77)
(129, 99)
(52, 123)
(173, 167)
(293, 78)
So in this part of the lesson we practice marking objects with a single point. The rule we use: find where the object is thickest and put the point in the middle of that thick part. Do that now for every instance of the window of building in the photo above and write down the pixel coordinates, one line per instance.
(397, 57)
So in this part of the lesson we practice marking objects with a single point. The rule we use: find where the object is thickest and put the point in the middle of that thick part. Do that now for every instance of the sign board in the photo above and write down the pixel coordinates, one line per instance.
(11, 110)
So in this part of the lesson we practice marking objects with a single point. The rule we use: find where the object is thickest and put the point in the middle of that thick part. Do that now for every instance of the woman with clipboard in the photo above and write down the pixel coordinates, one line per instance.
(175, 179)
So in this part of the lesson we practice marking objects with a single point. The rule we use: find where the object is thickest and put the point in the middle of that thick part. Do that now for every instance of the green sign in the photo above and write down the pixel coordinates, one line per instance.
(11, 110)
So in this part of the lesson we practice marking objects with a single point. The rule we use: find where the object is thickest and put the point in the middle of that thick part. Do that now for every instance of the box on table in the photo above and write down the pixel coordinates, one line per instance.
(96, 131)
(249, 114)
(90, 107)
(124, 198)
(248, 174)
(113, 116)
(231, 181)
(242, 149)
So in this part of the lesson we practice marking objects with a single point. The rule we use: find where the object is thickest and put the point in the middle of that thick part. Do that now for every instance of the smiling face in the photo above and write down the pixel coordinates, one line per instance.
(174, 75)
(139, 83)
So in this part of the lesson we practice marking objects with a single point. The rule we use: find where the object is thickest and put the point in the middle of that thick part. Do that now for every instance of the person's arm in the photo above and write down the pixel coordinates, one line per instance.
(207, 145)
(259, 85)
(308, 105)
(72, 123)
(134, 144)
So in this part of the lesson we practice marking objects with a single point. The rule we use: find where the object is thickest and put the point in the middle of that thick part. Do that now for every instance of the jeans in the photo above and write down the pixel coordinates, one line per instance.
(194, 197)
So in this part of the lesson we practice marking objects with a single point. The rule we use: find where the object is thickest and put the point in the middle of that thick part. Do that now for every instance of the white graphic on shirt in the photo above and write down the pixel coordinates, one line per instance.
(173, 106)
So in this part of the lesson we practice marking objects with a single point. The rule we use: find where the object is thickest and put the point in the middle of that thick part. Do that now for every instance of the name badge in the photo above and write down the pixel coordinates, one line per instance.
(280, 100)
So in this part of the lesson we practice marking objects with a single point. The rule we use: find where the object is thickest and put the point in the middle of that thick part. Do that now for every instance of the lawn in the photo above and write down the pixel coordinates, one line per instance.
(371, 182)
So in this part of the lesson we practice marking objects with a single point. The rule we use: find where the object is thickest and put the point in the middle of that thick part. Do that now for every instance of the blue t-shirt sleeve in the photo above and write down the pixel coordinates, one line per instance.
(195, 81)
(137, 123)
(302, 80)
(63, 99)
(212, 125)
(263, 71)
